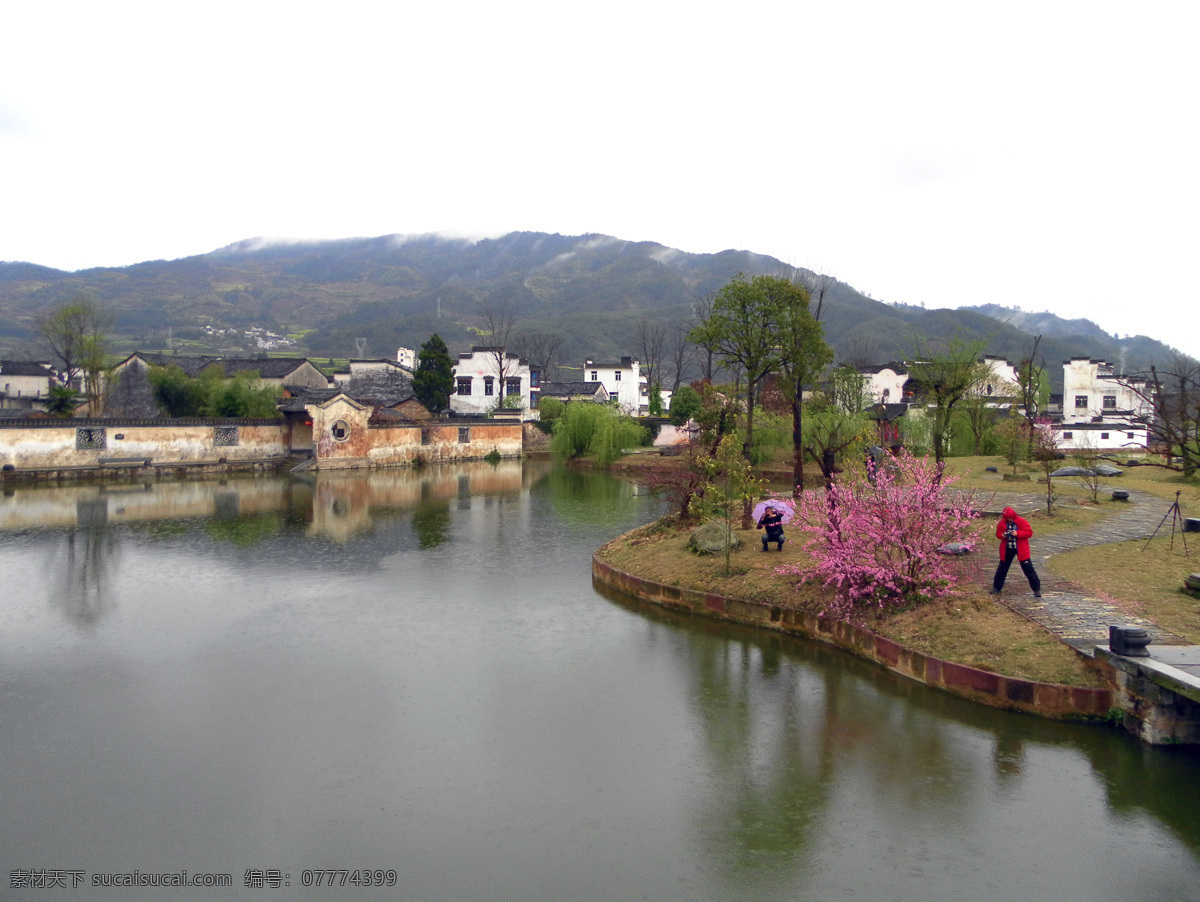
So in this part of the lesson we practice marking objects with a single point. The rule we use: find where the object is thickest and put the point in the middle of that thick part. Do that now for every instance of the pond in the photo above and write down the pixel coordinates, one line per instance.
(407, 678)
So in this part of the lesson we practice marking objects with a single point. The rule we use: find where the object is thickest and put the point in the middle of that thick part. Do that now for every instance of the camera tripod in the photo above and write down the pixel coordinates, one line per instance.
(1176, 517)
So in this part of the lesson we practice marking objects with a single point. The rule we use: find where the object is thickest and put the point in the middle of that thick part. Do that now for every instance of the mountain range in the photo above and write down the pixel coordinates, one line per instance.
(367, 296)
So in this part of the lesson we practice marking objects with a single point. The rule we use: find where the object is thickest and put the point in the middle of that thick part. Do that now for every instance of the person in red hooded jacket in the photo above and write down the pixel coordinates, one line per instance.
(1014, 534)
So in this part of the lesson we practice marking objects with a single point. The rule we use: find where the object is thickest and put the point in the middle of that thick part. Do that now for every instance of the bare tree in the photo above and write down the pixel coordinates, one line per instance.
(499, 320)
(701, 310)
(1030, 378)
(681, 355)
(859, 350)
(648, 342)
(1173, 394)
(820, 288)
(541, 349)
(75, 335)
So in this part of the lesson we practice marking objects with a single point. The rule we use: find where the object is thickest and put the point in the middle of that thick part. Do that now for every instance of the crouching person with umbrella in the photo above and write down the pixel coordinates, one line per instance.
(771, 515)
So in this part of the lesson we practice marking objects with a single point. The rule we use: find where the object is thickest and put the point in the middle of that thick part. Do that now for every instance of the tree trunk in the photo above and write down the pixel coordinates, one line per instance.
(797, 444)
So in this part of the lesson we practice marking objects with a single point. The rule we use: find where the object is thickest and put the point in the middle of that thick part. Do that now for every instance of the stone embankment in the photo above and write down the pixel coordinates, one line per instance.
(1044, 699)
(1075, 616)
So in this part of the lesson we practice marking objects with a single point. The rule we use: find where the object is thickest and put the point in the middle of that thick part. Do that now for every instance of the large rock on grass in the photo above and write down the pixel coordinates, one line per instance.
(710, 538)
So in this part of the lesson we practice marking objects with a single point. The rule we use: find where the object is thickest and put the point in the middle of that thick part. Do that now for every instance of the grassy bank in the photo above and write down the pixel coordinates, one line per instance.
(1143, 578)
(967, 627)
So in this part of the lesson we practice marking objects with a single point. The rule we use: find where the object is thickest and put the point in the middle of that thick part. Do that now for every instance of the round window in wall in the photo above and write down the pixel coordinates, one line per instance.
(340, 431)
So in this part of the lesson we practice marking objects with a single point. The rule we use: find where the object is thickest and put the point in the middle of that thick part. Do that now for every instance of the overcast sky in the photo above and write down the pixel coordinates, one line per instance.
(1044, 155)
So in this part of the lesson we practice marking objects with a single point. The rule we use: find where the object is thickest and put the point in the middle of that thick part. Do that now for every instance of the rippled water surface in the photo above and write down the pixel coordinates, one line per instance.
(411, 671)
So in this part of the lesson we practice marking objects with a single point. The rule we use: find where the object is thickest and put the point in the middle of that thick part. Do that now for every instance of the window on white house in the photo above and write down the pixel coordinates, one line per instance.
(513, 387)
(1103, 436)
(464, 385)
(617, 376)
(595, 375)
(1081, 402)
(1128, 435)
(1110, 402)
(1068, 435)
(489, 385)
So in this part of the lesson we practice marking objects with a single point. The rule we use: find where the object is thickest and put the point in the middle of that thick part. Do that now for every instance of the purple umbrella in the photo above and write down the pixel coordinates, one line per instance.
(782, 506)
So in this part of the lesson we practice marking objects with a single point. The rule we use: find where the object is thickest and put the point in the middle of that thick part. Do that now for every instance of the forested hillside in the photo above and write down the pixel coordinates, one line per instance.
(370, 296)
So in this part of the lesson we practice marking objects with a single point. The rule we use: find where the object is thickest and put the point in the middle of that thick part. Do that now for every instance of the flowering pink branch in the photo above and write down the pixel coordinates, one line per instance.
(875, 542)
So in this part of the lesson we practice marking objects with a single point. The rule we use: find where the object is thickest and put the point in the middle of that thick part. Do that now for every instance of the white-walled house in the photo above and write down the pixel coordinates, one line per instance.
(885, 383)
(1004, 381)
(1130, 437)
(623, 382)
(479, 386)
(1091, 389)
(1101, 411)
(25, 384)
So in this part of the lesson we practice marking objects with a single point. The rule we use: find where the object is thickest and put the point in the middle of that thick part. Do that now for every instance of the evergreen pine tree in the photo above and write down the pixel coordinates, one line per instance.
(434, 379)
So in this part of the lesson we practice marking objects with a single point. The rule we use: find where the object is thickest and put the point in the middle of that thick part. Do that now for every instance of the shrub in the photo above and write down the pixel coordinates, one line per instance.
(876, 543)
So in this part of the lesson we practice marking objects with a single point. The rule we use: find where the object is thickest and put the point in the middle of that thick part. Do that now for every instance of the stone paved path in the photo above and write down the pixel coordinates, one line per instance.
(1065, 609)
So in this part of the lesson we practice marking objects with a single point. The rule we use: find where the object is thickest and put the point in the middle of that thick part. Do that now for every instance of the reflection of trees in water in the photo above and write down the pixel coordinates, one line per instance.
(244, 531)
(431, 523)
(81, 570)
(768, 747)
(581, 497)
(784, 721)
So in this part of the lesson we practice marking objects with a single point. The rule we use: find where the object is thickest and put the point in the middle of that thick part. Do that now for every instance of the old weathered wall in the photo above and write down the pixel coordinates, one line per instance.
(47, 444)
(344, 438)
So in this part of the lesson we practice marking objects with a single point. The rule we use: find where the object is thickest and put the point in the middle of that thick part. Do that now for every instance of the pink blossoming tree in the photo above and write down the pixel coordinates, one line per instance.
(875, 536)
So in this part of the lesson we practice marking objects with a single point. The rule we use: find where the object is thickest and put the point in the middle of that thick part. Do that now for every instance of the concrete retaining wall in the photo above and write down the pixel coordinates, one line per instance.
(1044, 699)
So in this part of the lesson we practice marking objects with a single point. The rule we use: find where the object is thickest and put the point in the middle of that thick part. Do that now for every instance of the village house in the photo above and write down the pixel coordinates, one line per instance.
(1004, 381)
(380, 383)
(885, 384)
(277, 371)
(25, 384)
(623, 382)
(1092, 390)
(576, 391)
(481, 388)
(1101, 409)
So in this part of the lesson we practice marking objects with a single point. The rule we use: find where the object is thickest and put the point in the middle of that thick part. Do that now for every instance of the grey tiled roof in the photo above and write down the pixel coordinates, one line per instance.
(570, 389)
(23, 368)
(193, 365)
